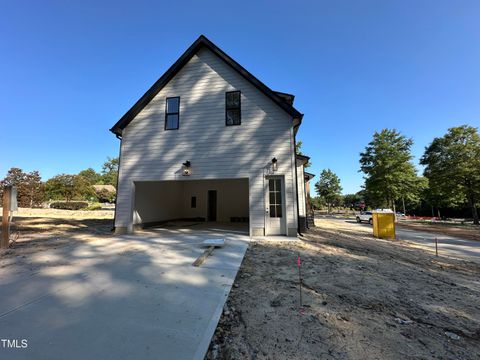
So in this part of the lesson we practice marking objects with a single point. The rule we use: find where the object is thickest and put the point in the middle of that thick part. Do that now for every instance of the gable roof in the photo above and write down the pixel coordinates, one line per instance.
(202, 42)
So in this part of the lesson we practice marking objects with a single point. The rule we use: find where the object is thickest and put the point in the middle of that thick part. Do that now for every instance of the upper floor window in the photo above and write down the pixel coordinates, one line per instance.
(172, 113)
(233, 114)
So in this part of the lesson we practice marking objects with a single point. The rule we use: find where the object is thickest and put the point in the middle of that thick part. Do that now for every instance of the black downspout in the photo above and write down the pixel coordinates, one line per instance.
(116, 187)
(296, 181)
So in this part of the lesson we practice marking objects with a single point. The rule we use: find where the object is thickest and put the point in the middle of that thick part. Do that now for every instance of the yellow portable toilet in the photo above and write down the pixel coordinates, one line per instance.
(384, 224)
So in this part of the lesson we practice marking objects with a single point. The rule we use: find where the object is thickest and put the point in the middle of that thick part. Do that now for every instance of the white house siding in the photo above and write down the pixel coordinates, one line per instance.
(301, 189)
(216, 151)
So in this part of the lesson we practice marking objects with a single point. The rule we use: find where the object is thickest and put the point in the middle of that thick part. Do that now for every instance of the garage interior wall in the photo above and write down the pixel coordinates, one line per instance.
(157, 201)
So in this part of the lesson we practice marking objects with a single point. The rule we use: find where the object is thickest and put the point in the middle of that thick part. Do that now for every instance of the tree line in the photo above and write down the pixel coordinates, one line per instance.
(451, 175)
(33, 192)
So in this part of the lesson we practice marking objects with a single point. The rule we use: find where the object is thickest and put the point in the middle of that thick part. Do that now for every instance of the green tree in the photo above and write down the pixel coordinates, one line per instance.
(110, 171)
(328, 187)
(411, 199)
(298, 150)
(60, 187)
(349, 200)
(434, 198)
(318, 202)
(29, 186)
(452, 166)
(389, 172)
(68, 187)
(91, 176)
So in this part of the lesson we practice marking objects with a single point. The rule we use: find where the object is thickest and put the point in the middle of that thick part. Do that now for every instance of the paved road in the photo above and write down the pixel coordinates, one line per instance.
(447, 245)
(126, 297)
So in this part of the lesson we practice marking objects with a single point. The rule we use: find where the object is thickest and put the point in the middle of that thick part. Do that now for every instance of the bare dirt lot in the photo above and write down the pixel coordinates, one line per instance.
(462, 231)
(43, 229)
(363, 298)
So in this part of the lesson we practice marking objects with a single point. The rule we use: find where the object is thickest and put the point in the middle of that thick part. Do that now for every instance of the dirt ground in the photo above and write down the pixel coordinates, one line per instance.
(43, 229)
(470, 232)
(363, 298)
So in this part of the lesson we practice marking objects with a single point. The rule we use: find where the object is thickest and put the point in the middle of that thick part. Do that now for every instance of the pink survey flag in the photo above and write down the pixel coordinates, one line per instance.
(299, 262)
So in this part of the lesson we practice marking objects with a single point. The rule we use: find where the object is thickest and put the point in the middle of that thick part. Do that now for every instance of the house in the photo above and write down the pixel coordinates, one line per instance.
(209, 141)
(105, 193)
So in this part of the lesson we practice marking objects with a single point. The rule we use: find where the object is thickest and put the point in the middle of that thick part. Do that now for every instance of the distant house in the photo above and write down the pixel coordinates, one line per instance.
(109, 188)
(210, 141)
(105, 192)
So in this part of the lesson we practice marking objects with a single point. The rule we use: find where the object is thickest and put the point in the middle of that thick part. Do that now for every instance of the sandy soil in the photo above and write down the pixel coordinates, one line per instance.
(470, 232)
(43, 229)
(363, 298)
(107, 213)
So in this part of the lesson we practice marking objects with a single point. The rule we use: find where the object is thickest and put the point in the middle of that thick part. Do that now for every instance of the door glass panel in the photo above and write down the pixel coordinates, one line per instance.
(271, 185)
(275, 197)
(272, 197)
(272, 211)
(279, 210)
(278, 197)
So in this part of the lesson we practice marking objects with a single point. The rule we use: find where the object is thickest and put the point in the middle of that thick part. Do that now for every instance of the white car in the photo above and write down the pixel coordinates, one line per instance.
(365, 216)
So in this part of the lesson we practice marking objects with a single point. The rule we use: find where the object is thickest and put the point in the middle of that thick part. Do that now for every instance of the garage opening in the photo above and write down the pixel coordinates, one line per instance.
(219, 203)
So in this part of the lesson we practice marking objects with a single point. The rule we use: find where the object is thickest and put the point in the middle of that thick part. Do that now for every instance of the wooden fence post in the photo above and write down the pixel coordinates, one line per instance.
(5, 241)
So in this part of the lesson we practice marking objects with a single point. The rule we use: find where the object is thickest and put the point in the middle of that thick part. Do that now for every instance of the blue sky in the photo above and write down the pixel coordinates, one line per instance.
(69, 70)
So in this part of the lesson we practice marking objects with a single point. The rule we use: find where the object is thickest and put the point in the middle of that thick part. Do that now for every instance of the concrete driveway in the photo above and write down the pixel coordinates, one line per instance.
(126, 297)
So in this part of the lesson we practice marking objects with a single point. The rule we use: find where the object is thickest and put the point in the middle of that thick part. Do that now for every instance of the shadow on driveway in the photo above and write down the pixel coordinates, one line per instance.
(133, 296)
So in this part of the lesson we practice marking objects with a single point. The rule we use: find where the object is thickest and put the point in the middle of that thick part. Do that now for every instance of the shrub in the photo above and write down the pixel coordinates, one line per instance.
(70, 205)
(94, 206)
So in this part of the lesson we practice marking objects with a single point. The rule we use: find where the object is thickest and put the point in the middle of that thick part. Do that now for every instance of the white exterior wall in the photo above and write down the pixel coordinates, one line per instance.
(301, 190)
(215, 151)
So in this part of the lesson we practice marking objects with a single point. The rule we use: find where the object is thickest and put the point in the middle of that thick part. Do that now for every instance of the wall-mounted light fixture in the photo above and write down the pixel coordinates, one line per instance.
(274, 164)
(187, 168)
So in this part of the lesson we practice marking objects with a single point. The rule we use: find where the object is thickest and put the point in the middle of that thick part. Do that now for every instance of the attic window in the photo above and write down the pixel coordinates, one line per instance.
(232, 108)
(172, 113)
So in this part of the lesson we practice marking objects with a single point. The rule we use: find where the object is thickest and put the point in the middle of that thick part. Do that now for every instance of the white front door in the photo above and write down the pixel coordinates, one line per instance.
(275, 212)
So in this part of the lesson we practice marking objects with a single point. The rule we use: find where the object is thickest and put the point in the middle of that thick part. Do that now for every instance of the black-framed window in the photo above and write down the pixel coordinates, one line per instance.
(233, 114)
(193, 202)
(172, 113)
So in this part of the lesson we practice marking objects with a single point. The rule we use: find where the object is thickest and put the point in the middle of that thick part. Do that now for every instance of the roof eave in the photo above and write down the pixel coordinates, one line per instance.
(302, 159)
(308, 175)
